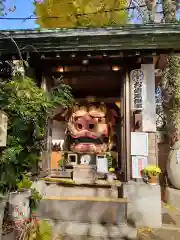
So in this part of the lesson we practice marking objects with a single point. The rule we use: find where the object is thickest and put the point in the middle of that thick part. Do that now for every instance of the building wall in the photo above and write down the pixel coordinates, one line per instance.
(58, 132)
(152, 148)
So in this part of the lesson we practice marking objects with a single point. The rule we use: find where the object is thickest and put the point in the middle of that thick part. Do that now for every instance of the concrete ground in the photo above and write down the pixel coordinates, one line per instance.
(170, 229)
(160, 234)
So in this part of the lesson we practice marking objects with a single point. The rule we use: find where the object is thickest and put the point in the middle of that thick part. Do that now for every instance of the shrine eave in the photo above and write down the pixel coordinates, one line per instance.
(151, 37)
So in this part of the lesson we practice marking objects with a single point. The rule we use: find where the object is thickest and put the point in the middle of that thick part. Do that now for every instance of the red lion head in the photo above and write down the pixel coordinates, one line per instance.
(90, 127)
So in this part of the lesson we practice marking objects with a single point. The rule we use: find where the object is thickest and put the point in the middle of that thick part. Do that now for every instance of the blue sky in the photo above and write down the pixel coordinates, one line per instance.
(24, 8)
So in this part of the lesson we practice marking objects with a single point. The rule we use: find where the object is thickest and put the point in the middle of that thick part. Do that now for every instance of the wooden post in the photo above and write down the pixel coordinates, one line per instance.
(46, 154)
(122, 109)
(125, 128)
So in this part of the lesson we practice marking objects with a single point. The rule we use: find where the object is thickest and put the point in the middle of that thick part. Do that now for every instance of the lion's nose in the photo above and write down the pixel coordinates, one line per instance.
(91, 126)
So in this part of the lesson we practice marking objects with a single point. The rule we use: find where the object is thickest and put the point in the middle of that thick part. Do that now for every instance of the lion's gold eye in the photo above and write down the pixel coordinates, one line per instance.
(76, 118)
(99, 120)
(79, 126)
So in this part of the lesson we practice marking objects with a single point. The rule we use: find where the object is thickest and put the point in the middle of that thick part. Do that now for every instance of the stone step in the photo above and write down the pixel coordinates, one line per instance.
(87, 231)
(56, 173)
(51, 187)
(83, 209)
(83, 231)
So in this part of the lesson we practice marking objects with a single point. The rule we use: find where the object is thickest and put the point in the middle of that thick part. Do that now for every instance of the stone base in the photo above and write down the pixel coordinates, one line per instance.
(84, 174)
(172, 197)
(60, 174)
(84, 231)
(95, 210)
(48, 190)
(144, 204)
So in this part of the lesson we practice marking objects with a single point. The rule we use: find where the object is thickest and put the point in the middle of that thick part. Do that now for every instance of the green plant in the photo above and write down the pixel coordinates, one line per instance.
(110, 160)
(151, 170)
(25, 183)
(37, 230)
(35, 199)
(61, 161)
(28, 108)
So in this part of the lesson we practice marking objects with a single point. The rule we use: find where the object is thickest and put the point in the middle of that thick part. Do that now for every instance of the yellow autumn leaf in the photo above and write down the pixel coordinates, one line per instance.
(73, 13)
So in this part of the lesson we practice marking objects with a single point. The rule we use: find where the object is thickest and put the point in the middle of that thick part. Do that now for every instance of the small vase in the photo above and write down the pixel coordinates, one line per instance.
(152, 180)
(110, 177)
(62, 169)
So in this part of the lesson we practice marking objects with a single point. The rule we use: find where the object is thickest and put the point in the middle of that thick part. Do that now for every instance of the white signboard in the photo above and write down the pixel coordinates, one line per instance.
(139, 144)
(137, 89)
(138, 164)
(149, 108)
(102, 164)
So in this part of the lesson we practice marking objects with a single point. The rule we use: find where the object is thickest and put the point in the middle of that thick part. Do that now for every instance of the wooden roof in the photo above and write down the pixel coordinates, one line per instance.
(162, 37)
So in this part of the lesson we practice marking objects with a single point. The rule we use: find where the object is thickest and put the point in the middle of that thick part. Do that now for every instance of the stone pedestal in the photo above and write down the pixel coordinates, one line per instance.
(173, 165)
(172, 196)
(84, 174)
(144, 204)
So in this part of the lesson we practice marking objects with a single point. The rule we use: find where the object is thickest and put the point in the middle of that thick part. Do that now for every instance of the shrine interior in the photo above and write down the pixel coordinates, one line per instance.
(96, 83)
(92, 129)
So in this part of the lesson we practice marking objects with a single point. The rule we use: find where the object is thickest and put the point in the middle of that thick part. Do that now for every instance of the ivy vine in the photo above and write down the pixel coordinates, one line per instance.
(27, 107)
(171, 96)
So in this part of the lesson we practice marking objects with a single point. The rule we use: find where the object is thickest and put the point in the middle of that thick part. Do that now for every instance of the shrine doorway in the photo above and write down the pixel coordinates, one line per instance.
(105, 80)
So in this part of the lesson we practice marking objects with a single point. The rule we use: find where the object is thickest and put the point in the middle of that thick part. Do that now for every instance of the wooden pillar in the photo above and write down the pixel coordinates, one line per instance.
(46, 154)
(125, 128)
(128, 127)
(123, 145)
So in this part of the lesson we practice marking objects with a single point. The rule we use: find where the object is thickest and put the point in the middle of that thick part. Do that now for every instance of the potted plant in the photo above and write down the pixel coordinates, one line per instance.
(24, 200)
(151, 172)
(19, 200)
